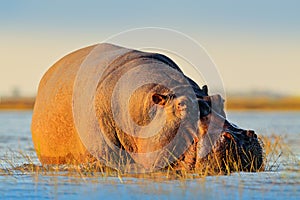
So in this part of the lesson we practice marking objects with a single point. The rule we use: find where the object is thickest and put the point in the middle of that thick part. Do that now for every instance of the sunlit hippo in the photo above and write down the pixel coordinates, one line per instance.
(135, 110)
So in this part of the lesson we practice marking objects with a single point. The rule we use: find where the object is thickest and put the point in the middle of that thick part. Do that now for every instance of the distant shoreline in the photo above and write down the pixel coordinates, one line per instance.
(231, 103)
(263, 103)
(17, 103)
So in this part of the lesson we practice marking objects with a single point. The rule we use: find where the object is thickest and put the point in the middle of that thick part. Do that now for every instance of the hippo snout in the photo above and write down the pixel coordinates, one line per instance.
(245, 148)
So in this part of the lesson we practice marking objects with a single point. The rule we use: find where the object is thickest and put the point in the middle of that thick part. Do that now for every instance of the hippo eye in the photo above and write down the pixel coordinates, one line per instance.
(159, 99)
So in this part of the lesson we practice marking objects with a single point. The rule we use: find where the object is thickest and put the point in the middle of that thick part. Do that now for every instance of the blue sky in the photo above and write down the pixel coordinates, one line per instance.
(256, 45)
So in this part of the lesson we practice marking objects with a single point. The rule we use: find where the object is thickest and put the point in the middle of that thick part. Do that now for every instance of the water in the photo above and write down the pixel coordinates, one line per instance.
(281, 184)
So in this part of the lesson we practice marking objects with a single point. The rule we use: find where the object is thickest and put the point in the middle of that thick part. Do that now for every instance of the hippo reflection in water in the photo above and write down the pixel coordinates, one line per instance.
(88, 108)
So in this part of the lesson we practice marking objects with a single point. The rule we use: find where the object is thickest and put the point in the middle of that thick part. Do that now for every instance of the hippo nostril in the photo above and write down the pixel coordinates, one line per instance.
(251, 133)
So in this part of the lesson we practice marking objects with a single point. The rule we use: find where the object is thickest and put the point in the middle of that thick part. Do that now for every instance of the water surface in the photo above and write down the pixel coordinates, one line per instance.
(283, 183)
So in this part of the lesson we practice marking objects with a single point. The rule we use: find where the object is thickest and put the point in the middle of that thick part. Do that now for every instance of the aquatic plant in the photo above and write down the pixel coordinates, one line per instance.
(277, 153)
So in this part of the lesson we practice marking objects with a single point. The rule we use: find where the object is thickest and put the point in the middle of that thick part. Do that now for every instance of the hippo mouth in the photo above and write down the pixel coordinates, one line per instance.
(224, 146)
(243, 149)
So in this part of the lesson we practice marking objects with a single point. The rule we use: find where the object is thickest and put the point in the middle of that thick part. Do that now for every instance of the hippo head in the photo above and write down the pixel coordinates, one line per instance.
(218, 144)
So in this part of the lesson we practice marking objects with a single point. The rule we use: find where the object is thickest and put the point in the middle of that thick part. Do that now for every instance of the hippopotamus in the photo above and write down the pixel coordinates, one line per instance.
(131, 109)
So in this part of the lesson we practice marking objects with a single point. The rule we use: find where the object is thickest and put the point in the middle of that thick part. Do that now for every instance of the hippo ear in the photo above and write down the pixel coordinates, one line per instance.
(204, 108)
(205, 89)
(159, 99)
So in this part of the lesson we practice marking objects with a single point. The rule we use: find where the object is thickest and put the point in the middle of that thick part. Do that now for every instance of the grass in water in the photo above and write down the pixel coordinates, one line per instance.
(276, 153)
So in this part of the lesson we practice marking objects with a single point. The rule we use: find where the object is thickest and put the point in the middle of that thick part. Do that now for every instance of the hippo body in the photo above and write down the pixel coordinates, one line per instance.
(159, 123)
